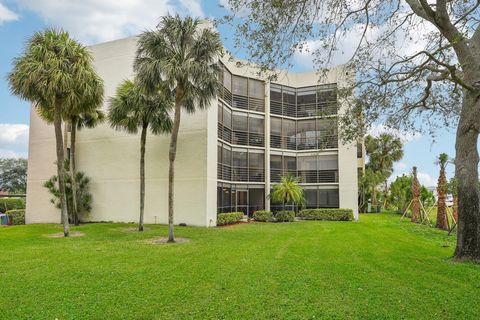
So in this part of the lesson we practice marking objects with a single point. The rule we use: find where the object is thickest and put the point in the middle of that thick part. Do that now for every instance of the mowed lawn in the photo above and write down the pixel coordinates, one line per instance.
(377, 268)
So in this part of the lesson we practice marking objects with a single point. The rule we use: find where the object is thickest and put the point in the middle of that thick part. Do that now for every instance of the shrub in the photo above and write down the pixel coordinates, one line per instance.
(229, 218)
(263, 216)
(7, 204)
(17, 216)
(285, 216)
(327, 214)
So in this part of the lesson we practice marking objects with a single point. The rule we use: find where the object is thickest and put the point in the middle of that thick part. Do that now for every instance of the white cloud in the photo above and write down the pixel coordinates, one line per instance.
(426, 180)
(97, 21)
(6, 15)
(13, 140)
(13, 133)
(193, 7)
(405, 136)
(400, 166)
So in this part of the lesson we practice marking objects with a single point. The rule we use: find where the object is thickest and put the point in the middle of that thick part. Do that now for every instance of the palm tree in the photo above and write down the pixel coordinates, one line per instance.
(382, 152)
(184, 56)
(89, 118)
(441, 191)
(132, 109)
(56, 74)
(415, 197)
(288, 191)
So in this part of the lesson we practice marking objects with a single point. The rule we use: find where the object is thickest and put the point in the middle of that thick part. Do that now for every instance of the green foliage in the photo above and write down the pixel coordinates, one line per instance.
(288, 191)
(132, 108)
(13, 175)
(7, 204)
(401, 193)
(181, 55)
(263, 216)
(229, 218)
(426, 197)
(56, 69)
(326, 214)
(17, 216)
(382, 152)
(84, 197)
(285, 216)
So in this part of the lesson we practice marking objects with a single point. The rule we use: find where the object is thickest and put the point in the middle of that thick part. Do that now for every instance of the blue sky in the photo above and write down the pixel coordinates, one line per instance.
(93, 21)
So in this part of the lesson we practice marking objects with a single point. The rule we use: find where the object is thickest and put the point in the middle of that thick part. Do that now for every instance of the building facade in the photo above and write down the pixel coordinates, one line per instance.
(228, 155)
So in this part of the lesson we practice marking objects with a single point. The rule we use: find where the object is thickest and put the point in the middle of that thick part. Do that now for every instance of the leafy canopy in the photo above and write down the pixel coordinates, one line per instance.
(56, 69)
(182, 54)
(131, 108)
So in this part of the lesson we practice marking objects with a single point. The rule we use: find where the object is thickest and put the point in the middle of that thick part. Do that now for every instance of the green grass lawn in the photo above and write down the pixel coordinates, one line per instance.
(380, 267)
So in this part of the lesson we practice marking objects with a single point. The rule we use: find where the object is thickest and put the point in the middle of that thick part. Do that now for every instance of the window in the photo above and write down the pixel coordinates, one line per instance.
(240, 158)
(275, 93)
(256, 89)
(311, 198)
(276, 161)
(290, 163)
(256, 124)
(256, 198)
(240, 122)
(256, 160)
(227, 79)
(240, 86)
(328, 162)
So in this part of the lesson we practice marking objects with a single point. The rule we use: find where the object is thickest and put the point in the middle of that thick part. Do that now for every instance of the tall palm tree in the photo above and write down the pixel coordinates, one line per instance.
(415, 197)
(132, 109)
(184, 56)
(382, 152)
(288, 191)
(56, 74)
(88, 118)
(441, 191)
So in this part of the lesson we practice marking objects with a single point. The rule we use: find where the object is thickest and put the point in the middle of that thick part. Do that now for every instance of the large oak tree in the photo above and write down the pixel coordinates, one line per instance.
(417, 65)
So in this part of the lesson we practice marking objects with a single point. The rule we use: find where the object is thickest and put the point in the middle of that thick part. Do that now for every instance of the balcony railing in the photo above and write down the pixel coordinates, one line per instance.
(306, 176)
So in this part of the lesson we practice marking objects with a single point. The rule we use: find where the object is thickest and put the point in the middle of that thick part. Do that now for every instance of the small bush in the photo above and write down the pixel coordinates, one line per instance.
(7, 204)
(285, 216)
(263, 216)
(17, 216)
(229, 218)
(326, 214)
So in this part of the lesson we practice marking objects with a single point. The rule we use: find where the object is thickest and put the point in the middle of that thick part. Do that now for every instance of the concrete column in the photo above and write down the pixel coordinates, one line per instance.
(267, 145)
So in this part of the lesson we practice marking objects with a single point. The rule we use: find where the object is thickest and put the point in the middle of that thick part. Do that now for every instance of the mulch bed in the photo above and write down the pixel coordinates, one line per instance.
(164, 241)
(234, 224)
(60, 234)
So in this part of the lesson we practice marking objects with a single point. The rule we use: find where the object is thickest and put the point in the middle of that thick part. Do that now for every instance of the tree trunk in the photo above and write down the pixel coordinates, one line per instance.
(143, 140)
(442, 205)
(57, 122)
(416, 217)
(455, 208)
(466, 173)
(172, 155)
(73, 172)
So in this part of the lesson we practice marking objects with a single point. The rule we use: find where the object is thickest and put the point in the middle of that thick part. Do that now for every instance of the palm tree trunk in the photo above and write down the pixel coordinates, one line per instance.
(466, 173)
(143, 140)
(172, 155)
(57, 122)
(441, 205)
(73, 139)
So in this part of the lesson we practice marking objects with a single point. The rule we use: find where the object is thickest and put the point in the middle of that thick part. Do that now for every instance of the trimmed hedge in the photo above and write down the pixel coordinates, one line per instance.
(326, 214)
(229, 218)
(7, 204)
(16, 216)
(263, 216)
(285, 216)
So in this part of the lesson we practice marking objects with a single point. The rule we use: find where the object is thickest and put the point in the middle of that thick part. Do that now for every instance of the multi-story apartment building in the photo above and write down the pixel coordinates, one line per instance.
(228, 155)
